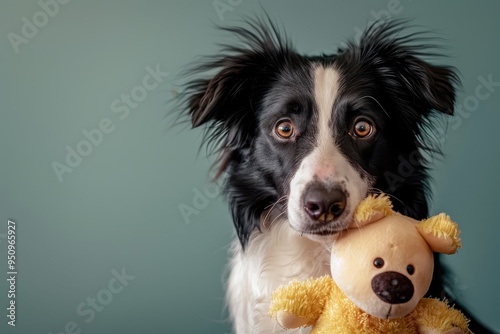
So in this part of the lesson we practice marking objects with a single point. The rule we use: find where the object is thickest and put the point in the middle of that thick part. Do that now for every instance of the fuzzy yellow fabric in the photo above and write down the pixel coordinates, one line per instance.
(321, 304)
(442, 226)
(435, 316)
(342, 316)
(304, 299)
(371, 205)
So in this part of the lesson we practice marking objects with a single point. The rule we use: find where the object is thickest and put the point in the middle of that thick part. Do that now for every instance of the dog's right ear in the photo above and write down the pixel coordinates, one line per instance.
(212, 99)
(227, 104)
(229, 101)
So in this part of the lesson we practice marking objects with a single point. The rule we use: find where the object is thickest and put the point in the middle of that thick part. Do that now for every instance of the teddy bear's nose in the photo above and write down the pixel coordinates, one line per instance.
(392, 287)
(322, 204)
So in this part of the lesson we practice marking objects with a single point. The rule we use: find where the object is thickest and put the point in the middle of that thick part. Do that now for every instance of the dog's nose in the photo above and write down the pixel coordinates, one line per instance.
(392, 287)
(324, 205)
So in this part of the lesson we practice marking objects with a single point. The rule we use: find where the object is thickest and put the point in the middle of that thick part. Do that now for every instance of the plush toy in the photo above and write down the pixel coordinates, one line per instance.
(381, 268)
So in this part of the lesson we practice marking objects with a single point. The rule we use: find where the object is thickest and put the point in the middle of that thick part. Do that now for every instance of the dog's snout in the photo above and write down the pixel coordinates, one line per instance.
(393, 287)
(322, 204)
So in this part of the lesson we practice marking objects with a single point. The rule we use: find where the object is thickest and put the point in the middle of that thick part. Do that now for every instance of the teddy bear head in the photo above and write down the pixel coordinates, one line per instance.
(384, 262)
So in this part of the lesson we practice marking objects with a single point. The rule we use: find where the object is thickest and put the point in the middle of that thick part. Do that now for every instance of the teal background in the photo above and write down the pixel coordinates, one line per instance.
(120, 207)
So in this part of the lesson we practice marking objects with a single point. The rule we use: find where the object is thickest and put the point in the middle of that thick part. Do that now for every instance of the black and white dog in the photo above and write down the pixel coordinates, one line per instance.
(303, 139)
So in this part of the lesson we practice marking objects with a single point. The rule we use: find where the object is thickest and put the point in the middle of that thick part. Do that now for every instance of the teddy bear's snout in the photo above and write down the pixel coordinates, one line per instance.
(393, 287)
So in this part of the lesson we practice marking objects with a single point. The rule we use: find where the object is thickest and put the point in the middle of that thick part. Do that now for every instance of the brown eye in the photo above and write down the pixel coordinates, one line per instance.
(363, 129)
(378, 262)
(284, 129)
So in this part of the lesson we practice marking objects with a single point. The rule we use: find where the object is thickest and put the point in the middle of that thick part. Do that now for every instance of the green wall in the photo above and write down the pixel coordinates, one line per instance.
(104, 248)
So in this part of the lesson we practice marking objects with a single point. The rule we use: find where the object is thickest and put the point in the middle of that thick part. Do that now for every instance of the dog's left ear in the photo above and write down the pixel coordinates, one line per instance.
(399, 59)
(434, 86)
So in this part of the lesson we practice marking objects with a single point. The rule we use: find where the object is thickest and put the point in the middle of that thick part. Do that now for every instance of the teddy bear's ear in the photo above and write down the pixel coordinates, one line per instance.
(441, 233)
(371, 209)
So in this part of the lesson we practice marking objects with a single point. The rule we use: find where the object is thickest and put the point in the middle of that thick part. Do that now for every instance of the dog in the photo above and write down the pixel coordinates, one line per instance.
(302, 139)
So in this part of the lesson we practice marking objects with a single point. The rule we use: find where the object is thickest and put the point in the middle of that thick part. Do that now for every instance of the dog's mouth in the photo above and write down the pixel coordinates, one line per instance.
(314, 228)
(305, 227)
(322, 231)
(323, 207)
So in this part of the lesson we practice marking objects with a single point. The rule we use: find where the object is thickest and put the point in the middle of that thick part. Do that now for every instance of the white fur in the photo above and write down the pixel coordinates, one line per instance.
(273, 257)
(325, 163)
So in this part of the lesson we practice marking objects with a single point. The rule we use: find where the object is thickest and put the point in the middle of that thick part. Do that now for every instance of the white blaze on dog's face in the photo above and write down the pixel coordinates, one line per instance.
(326, 187)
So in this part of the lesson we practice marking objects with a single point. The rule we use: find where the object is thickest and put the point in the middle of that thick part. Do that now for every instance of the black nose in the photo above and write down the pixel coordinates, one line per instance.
(392, 287)
(322, 204)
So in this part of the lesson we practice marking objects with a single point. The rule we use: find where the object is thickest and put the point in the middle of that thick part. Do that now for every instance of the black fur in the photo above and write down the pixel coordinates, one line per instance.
(383, 78)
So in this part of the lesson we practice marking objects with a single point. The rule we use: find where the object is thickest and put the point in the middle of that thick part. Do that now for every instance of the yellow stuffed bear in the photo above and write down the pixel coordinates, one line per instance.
(381, 268)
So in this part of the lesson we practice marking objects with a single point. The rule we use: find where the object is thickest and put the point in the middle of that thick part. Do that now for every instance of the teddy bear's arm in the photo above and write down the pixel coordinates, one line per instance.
(436, 316)
(300, 303)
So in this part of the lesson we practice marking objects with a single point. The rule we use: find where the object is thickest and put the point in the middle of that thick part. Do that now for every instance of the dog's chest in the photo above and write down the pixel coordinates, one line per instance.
(276, 257)
(273, 257)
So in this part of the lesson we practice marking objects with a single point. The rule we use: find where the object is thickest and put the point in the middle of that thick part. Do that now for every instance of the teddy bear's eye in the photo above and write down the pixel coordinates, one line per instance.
(378, 262)
(410, 269)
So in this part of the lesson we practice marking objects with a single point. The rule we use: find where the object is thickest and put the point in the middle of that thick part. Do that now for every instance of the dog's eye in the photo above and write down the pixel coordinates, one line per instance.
(284, 129)
(363, 128)
(378, 263)
(410, 269)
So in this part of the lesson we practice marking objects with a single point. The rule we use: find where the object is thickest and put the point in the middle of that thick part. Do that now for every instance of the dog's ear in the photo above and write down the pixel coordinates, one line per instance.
(433, 86)
(213, 100)
(228, 102)
(399, 58)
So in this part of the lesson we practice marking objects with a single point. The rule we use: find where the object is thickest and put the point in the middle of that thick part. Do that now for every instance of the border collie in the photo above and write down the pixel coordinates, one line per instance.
(303, 139)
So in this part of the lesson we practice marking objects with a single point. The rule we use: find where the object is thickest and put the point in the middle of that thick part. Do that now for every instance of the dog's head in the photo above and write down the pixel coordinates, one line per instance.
(308, 137)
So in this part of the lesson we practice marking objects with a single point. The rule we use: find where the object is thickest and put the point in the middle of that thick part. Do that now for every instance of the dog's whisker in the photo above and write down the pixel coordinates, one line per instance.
(270, 209)
(379, 104)
(380, 191)
(282, 198)
(278, 216)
